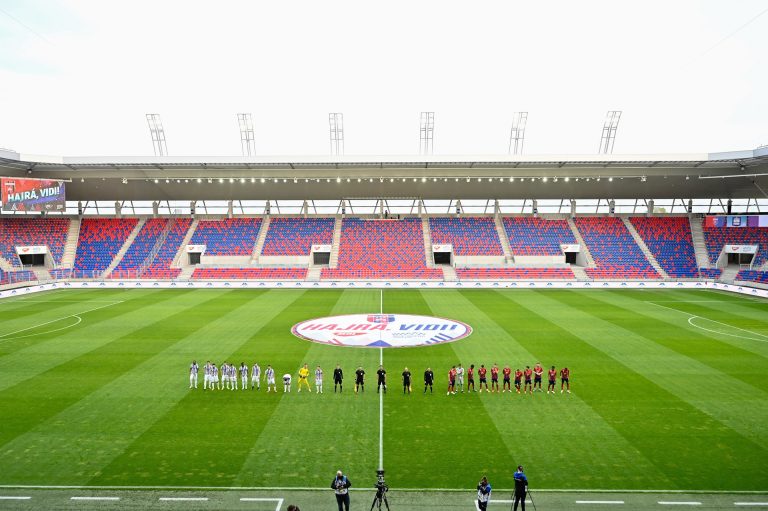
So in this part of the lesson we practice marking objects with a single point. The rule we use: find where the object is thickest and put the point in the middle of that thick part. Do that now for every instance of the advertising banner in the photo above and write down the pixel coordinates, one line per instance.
(571, 248)
(321, 248)
(737, 221)
(32, 194)
(741, 249)
(32, 249)
(442, 248)
(192, 249)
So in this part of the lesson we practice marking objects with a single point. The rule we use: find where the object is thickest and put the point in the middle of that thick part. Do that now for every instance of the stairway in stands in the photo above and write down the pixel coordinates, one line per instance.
(427, 242)
(580, 240)
(70, 248)
(644, 248)
(259, 245)
(334, 260)
(502, 232)
(177, 259)
(130, 239)
(699, 245)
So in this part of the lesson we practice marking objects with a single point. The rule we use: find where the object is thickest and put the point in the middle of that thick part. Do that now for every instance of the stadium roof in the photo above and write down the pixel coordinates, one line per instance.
(736, 174)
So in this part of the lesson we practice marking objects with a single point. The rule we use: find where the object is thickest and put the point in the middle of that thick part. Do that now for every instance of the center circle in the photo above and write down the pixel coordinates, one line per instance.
(381, 330)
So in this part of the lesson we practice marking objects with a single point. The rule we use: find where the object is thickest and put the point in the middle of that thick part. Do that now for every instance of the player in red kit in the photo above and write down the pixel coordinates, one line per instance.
(518, 378)
(537, 372)
(481, 373)
(506, 386)
(528, 386)
(452, 381)
(552, 374)
(471, 378)
(565, 375)
(495, 378)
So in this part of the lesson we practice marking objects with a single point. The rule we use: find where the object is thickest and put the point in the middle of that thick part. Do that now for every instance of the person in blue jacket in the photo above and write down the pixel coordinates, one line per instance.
(521, 487)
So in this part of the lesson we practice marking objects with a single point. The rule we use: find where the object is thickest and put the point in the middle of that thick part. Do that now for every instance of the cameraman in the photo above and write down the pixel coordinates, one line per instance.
(483, 494)
(340, 485)
(521, 487)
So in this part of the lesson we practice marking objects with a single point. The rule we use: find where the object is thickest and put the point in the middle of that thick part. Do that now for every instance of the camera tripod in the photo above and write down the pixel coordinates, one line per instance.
(381, 492)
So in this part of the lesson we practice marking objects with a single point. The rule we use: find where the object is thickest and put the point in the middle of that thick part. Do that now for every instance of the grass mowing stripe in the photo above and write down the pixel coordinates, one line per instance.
(712, 391)
(534, 426)
(434, 439)
(651, 416)
(726, 356)
(189, 444)
(89, 434)
(336, 430)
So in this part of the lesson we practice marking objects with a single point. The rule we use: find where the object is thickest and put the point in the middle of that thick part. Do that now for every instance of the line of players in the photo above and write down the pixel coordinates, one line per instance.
(226, 378)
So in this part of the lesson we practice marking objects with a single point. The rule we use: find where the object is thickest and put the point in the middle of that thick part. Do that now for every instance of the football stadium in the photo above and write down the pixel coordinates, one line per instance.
(185, 332)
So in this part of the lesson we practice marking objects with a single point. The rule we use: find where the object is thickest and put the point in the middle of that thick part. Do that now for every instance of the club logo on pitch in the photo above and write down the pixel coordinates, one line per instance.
(381, 330)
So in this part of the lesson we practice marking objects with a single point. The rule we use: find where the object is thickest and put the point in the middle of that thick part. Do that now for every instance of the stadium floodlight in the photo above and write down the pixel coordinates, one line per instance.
(157, 133)
(247, 140)
(517, 133)
(427, 133)
(336, 126)
(608, 137)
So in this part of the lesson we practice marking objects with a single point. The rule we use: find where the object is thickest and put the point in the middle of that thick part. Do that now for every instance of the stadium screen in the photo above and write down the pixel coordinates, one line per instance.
(32, 194)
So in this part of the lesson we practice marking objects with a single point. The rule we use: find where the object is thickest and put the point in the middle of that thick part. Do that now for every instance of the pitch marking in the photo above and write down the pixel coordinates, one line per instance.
(79, 319)
(94, 498)
(694, 316)
(3, 336)
(14, 497)
(262, 499)
(678, 503)
(183, 499)
(599, 502)
(753, 504)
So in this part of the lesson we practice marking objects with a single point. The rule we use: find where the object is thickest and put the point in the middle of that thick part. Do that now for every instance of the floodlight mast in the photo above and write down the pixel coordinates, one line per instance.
(426, 133)
(336, 127)
(158, 134)
(247, 139)
(517, 133)
(608, 137)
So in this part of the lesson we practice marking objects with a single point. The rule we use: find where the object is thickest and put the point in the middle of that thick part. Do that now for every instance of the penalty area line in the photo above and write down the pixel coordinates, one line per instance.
(692, 317)
(77, 314)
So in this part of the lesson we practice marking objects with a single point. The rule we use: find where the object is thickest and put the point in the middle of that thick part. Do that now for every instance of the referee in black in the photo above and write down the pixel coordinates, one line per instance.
(338, 376)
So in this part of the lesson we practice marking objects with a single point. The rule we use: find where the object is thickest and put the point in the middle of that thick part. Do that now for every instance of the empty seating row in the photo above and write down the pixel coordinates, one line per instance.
(469, 236)
(381, 249)
(143, 244)
(51, 232)
(250, 273)
(227, 237)
(99, 241)
(717, 237)
(669, 240)
(15, 277)
(753, 276)
(161, 265)
(614, 250)
(536, 236)
(295, 236)
(515, 273)
(710, 273)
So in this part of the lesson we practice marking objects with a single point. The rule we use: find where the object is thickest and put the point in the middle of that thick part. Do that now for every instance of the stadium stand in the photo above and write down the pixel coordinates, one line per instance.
(13, 277)
(669, 240)
(100, 240)
(753, 276)
(250, 273)
(60, 273)
(295, 236)
(381, 249)
(141, 246)
(717, 237)
(14, 232)
(515, 273)
(160, 268)
(227, 237)
(615, 252)
(469, 236)
(710, 273)
(537, 236)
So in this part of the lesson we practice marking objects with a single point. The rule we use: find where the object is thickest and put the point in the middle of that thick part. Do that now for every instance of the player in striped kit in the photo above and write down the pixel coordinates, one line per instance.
(207, 374)
(233, 376)
(244, 375)
(286, 382)
(193, 374)
(214, 376)
(256, 377)
(319, 380)
(271, 378)
(224, 376)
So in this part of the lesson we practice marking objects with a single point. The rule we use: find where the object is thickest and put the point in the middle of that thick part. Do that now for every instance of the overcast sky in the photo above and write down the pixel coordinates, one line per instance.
(77, 77)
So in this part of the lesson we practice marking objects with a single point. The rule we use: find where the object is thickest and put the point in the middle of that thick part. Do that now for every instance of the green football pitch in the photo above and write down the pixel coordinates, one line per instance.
(669, 391)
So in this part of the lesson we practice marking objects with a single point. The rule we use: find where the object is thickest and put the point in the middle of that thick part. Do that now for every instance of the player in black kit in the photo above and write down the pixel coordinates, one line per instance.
(406, 381)
(359, 380)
